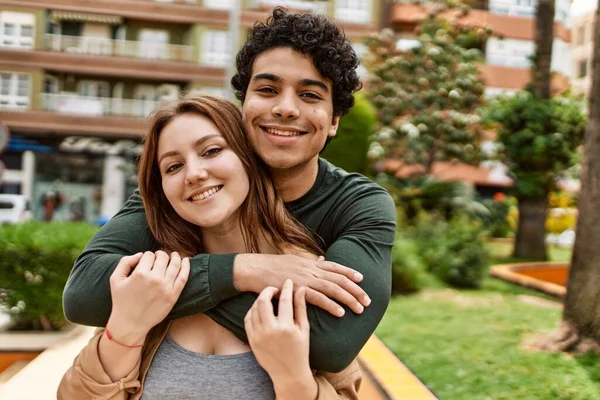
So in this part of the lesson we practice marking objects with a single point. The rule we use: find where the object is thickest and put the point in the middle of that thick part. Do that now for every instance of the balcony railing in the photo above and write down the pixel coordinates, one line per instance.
(312, 6)
(508, 7)
(97, 106)
(123, 48)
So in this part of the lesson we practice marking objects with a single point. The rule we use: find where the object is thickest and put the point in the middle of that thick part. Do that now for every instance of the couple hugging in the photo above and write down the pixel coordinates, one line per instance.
(246, 267)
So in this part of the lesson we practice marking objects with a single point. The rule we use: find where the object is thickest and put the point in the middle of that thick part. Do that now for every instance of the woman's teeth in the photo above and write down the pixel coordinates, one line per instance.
(282, 133)
(206, 194)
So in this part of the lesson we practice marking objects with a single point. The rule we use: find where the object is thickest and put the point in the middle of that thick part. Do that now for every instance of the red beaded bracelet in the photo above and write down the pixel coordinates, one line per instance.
(110, 337)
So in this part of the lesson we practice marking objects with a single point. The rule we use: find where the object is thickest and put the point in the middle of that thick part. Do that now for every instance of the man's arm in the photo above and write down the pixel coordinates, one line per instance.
(86, 298)
(367, 231)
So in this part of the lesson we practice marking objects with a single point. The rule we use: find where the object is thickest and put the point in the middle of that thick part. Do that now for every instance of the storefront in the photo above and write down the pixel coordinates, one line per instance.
(70, 178)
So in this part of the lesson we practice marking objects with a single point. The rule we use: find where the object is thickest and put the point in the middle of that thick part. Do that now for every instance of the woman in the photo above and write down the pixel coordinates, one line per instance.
(203, 189)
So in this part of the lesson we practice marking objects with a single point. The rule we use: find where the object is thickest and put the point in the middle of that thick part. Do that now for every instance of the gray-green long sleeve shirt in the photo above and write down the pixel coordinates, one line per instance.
(352, 217)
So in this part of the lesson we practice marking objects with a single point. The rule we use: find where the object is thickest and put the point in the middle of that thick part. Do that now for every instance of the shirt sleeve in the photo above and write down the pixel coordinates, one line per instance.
(367, 227)
(343, 385)
(86, 298)
(87, 379)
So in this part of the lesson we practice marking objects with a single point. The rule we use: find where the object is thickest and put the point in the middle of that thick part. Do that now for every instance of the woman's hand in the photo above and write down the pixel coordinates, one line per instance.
(281, 343)
(143, 298)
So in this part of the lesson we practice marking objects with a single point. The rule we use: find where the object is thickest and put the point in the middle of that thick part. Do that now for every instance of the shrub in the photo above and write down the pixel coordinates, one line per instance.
(454, 250)
(407, 267)
(35, 261)
(561, 219)
(348, 150)
(497, 223)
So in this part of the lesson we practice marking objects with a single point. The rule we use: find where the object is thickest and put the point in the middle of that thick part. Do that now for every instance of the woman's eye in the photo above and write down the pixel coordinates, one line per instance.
(172, 168)
(213, 152)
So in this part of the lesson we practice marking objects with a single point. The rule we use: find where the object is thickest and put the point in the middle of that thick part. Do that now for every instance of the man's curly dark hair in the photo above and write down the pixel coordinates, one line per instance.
(310, 34)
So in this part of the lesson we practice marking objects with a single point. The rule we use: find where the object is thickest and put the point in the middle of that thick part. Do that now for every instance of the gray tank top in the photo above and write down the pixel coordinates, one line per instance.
(181, 374)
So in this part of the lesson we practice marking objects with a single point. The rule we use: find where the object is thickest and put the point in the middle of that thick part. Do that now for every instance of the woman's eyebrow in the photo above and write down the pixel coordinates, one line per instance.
(196, 144)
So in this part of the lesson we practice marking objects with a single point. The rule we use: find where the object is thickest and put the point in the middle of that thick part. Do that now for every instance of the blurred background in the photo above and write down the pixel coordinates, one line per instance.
(472, 116)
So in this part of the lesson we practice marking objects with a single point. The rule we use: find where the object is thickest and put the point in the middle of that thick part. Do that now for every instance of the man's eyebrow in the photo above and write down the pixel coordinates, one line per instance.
(314, 82)
(196, 144)
(269, 77)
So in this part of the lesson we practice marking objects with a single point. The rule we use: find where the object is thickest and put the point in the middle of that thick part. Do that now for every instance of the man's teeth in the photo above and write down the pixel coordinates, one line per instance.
(282, 133)
(207, 194)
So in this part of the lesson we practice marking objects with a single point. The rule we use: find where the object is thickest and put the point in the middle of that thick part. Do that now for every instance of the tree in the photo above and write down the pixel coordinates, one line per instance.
(427, 96)
(539, 138)
(348, 150)
(580, 328)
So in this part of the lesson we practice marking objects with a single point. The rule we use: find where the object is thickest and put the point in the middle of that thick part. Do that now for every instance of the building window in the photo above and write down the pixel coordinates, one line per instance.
(353, 10)
(216, 48)
(511, 53)
(153, 44)
(17, 30)
(218, 4)
(14, 90)
(583, 66)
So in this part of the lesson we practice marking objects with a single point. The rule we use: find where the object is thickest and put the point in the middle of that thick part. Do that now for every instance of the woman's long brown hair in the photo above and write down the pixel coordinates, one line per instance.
(263, 211)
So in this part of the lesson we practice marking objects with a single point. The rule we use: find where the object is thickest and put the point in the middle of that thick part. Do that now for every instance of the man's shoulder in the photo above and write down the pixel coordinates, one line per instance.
(338, 180)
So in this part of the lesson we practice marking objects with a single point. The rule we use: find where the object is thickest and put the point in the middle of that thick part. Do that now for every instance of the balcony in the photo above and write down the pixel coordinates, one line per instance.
(300, 5)
(508, 7)
(123, 48)
(75, 104)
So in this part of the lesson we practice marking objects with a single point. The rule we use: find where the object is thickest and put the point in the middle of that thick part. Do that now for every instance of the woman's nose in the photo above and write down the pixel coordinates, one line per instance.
(196, 172)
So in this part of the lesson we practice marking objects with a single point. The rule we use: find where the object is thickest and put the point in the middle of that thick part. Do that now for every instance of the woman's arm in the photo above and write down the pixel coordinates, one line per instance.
(281, 345)
(143, 290)
(87, 378)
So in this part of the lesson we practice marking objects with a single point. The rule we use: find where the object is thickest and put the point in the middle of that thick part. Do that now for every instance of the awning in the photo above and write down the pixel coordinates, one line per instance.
(77, 16)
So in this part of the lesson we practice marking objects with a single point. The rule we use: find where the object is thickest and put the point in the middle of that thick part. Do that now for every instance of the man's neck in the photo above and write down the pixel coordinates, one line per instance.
(295, 182)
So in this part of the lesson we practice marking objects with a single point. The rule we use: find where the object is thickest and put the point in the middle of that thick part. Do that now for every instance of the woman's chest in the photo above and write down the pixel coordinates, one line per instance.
(200, 334)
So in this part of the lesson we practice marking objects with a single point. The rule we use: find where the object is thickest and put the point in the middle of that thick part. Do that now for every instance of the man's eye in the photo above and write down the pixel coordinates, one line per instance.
(266, 90)
(311, 96)
(173, 168)
(213, 152)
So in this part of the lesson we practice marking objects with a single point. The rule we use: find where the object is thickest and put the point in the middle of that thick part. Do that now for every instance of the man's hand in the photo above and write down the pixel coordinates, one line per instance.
(325, 281)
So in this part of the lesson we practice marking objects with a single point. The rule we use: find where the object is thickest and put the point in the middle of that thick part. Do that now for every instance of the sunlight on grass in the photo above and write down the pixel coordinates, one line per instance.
(474, 344)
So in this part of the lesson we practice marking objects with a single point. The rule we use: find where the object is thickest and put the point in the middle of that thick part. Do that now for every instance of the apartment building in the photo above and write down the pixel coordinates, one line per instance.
(583, 48)
(79, 77)
(508, 52)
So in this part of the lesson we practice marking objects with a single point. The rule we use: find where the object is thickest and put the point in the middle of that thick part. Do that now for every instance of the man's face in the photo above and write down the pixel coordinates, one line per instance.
(288, 110)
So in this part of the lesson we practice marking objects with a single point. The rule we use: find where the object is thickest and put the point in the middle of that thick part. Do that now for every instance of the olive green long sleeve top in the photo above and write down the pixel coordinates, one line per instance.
(353, 218)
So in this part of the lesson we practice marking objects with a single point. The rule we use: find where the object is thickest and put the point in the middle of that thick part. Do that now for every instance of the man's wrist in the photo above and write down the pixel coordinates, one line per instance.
(242, 273)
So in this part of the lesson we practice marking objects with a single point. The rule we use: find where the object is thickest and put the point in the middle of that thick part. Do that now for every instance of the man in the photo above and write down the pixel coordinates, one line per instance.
(295, 78)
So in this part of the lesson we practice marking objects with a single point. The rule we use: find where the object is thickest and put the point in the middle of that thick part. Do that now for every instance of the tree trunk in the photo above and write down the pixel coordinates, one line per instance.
(544, 36)
(531, 234)
(583, 288)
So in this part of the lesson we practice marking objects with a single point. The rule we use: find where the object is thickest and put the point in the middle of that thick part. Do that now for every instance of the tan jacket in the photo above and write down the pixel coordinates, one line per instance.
(87, 379)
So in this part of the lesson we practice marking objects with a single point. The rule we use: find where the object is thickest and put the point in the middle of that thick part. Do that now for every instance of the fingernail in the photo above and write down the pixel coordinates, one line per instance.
(358, 276)
(367, 300)
(341, 312)
(360, 308)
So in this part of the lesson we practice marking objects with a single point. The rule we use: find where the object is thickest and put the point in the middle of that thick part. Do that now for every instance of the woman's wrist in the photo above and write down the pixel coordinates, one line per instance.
(297, 387)
(125, 333)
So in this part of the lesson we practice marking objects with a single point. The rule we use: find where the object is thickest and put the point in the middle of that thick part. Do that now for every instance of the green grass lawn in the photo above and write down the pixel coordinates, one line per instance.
(474, 344)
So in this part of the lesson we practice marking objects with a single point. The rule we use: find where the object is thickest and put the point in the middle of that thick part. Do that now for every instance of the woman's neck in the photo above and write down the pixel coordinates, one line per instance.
(228, 238)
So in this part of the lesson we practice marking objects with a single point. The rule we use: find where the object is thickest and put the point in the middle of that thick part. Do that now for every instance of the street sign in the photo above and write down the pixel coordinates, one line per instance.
(4, 135)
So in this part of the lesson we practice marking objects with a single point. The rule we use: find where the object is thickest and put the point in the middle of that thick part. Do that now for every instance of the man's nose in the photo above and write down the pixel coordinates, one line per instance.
(287, 106)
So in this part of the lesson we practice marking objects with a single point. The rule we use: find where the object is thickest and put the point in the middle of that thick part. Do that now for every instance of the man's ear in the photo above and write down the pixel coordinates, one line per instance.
(335, 123)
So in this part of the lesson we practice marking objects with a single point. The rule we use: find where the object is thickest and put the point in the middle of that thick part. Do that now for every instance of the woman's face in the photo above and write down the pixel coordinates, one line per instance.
(202, 178)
